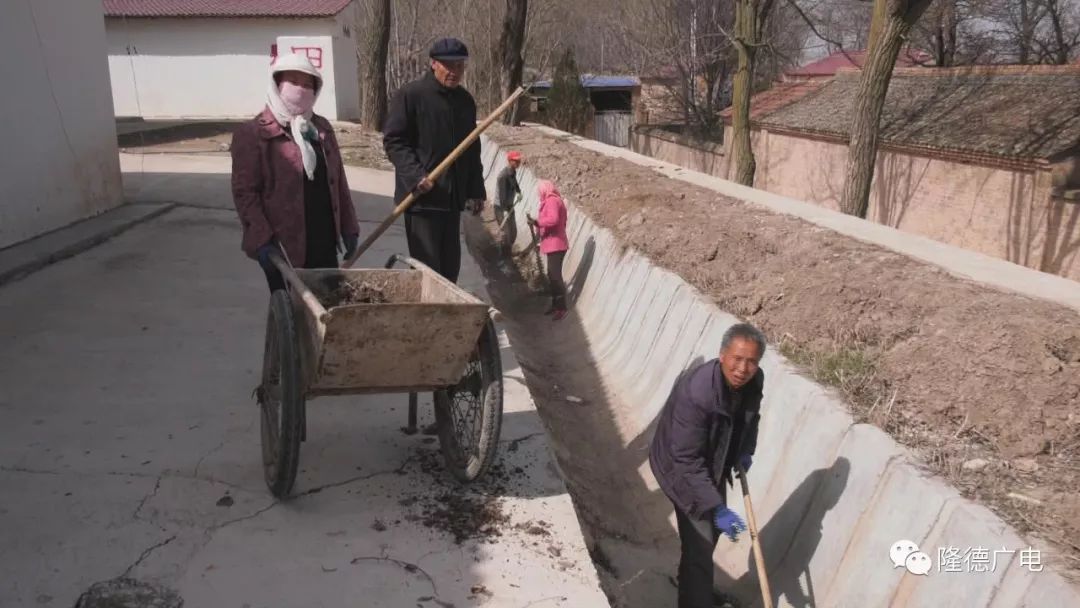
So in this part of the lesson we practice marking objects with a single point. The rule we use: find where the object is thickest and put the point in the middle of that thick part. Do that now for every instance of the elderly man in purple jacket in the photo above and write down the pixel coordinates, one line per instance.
(707, 428)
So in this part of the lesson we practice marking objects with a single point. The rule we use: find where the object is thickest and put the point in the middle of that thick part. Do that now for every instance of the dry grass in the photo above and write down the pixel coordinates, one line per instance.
(850, 368)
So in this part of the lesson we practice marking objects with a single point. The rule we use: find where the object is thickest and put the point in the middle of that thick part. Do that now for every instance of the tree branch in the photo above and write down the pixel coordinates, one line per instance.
(813, 28)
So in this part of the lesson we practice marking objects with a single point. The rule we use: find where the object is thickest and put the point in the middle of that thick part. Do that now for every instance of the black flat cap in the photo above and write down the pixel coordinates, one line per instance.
(449, 49)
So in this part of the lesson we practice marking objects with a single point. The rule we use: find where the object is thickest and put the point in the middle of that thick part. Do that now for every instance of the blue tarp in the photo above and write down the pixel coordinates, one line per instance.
(590, 81)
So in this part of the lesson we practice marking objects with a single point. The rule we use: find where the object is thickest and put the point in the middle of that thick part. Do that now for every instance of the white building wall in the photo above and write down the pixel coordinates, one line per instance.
(347, 62)
(60, 161)
(211, 68)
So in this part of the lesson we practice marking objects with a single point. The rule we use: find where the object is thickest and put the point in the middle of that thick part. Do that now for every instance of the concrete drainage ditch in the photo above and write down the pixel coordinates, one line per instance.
(831, 504)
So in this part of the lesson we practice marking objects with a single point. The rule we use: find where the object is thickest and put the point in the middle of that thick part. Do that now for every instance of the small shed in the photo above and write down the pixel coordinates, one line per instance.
(614, 100)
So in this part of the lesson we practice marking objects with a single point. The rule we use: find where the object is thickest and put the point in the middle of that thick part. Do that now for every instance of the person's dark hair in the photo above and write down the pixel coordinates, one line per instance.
(745, 331)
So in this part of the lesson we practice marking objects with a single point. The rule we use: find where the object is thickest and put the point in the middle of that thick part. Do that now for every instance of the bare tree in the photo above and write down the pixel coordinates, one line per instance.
(945, 26)
(690, 44)
(751, 17)
(375, 49)
(568, 104)
(511, 49)
(840, 24)
(1062, 39)
(892, 22)
(408, 44)
(687, 41)
(1035, 31)
(1028, 15)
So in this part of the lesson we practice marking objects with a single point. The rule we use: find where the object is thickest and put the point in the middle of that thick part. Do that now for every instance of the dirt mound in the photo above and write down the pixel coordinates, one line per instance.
(985, 384)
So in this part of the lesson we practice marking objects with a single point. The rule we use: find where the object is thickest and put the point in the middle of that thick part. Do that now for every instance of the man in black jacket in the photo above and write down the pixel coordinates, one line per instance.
(426, 120)
(708, 427)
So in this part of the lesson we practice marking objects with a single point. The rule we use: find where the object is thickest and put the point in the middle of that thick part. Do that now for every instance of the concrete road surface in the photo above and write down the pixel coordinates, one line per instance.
(129, 445)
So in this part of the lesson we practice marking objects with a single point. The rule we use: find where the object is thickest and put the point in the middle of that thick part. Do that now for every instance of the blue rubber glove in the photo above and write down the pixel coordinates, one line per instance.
(350, 241)
(728, 523)
(745, 461)
(263, 254)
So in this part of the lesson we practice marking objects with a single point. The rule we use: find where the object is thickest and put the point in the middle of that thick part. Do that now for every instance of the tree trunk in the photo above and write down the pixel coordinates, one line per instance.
(897, 18)
(376, 47)
(952, 31)
(742, 148)
(1060, 55)
(511, 44)
(877, 19)
(1027, 32)
(945, 34)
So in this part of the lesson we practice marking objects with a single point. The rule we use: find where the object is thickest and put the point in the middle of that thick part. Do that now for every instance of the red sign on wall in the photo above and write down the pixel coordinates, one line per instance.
(314, 54)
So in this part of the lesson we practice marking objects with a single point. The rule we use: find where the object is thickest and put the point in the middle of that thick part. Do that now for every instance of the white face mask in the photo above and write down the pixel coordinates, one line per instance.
(297, 99)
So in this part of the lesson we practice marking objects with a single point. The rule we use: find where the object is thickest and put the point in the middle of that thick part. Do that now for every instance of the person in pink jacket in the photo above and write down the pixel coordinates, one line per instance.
(551, 226)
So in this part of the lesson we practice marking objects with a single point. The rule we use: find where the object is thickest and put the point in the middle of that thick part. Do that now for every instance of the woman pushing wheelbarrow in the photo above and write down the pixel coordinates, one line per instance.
(337, 331)
(288, 178)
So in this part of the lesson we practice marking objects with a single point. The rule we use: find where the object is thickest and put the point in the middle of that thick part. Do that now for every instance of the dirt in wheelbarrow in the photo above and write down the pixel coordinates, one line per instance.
(345, 293)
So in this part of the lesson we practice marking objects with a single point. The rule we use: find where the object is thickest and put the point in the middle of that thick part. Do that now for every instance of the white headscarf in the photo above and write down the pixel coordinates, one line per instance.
(298, 123)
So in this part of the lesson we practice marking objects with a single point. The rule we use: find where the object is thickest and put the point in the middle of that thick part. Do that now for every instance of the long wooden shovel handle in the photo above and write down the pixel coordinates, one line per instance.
(759, 558)
(434, 175)
(517, 200)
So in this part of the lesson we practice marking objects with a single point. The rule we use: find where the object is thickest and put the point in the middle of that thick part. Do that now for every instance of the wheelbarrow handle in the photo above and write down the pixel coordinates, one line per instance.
(301, 288)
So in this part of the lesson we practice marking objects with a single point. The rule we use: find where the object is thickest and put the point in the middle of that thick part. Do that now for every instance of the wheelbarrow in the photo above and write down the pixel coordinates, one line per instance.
(416, 332)
(422, 333)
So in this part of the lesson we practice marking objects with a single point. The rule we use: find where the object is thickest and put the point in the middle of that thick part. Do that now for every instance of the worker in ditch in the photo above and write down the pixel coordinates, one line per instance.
(288, 177)
(508, 192)
(426, 120)
(550, 226)
(707, 428)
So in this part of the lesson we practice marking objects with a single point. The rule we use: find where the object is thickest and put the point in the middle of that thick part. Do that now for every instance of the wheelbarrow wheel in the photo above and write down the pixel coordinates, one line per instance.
(281, 397)
(469, 414)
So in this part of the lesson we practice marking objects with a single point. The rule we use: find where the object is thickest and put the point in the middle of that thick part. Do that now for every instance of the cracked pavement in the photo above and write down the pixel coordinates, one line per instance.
(131, 445)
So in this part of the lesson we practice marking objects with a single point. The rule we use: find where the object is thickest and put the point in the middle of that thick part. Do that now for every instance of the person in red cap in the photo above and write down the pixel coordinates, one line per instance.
(508, 190)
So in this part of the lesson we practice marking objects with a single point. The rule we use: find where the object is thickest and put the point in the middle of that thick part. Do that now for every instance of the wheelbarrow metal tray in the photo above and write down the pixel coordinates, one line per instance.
(419, 335)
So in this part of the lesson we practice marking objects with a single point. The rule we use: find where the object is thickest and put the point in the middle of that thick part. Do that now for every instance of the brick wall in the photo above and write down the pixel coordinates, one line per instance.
(656, 103)
(1006, 213)
(1017, 214)
(705, 157)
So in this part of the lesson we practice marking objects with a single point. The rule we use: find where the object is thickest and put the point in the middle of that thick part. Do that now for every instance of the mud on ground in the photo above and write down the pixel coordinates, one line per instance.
(983, 384)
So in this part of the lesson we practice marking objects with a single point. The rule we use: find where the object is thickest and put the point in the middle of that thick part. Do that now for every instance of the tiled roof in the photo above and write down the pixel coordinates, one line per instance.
(224, 8)
(828, 66)
(1015, 112)
(780, 95)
